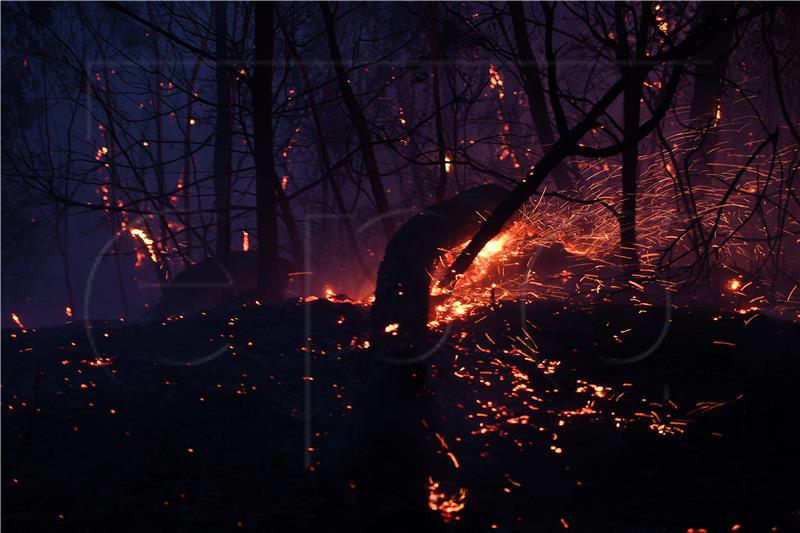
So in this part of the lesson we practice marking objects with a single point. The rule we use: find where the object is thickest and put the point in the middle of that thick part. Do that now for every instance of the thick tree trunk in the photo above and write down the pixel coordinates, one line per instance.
(158, 167)
(532, 83)
(330, 182)
(266, 179)
(393, 444)
(222, 142)
(403, 287)
(360, 124)
(630, 59)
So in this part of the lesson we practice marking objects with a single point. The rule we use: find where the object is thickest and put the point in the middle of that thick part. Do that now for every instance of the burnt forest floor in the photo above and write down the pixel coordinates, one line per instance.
(200, 424)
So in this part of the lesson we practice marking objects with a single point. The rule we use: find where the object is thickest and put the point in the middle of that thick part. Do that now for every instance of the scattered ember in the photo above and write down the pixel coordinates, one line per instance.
(448, 506)
(17, 321)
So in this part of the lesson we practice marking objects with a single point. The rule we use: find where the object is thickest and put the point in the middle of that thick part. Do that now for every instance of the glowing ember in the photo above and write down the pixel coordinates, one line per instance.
(17, 321)
(245, 241)
(735, 284)
(448, 506)
(148, 242)
(494, 77)
(68, 311)
(447, 164)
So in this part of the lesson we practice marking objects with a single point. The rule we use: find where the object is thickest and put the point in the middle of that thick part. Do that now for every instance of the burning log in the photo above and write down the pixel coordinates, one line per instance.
(209, 284)
(402, 292)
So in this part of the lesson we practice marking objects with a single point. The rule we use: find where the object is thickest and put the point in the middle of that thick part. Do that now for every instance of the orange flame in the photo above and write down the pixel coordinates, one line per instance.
(137, 233)
(245, 241)
(17, 321)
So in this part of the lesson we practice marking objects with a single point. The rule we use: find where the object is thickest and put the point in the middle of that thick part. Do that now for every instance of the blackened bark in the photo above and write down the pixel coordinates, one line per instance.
(393, 444)
(222, 142)
(630, 60)
(402, 290)
(630, 171)
(360, 124)
(266, 179)
(532, 82)
(711, 64)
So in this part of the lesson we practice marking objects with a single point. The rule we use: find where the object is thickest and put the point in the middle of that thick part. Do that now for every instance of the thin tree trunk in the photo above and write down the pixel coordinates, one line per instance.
(709, 71)
(630, 59)
(350, 233)
(534, 89)
(269, 283)
(188, 160)
(222, 143)
(159, 140)
(360, 124)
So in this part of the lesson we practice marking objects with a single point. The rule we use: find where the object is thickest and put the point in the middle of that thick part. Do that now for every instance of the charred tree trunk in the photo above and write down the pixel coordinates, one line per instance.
(403, 286)
(222, 142)
(62, 243)
(630, 172)
(164, 229)
(711, 63)
(532, 82)
(188, 163)
(266, 179)
(360, 124)
(292, 229)
(394, 443)
(630, 60)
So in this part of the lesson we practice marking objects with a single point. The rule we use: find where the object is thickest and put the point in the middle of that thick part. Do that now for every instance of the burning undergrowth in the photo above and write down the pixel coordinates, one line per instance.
(529, 424)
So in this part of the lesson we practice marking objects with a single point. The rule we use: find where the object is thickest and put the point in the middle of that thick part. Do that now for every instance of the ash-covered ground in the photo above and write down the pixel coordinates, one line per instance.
(536, 423)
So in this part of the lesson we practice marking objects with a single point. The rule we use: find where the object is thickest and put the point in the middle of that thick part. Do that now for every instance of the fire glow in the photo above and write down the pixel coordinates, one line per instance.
(147, 241)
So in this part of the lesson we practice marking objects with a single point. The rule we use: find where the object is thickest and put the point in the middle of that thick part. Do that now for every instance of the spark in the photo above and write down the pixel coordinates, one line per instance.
(448, 506)
(17, 320)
